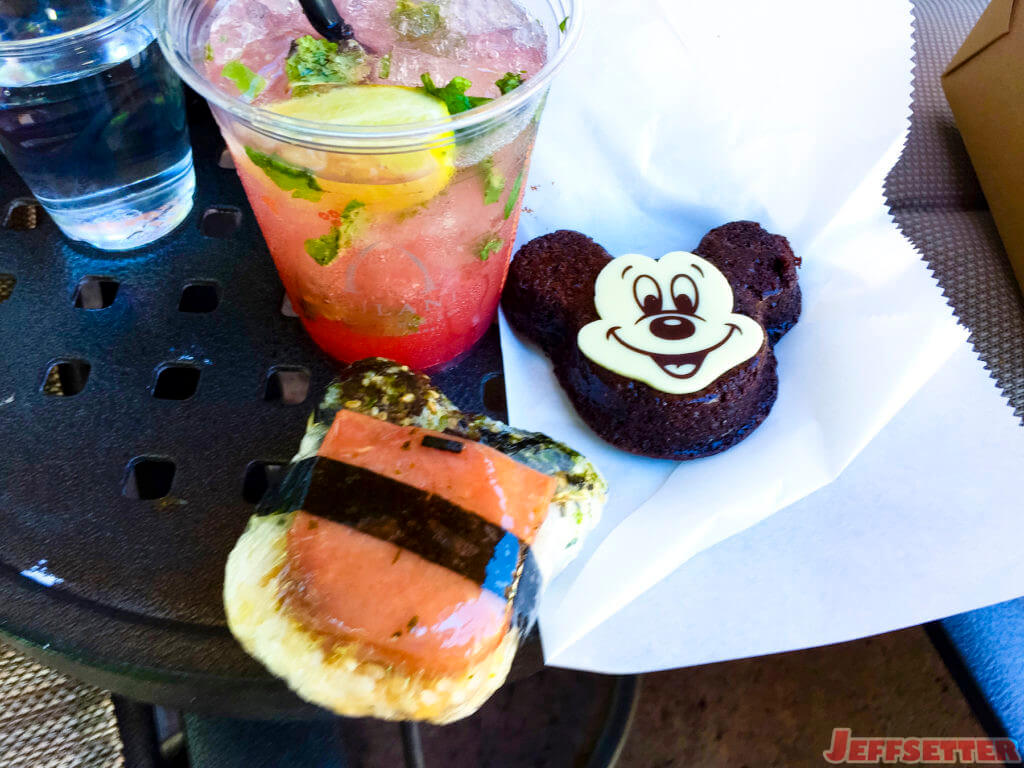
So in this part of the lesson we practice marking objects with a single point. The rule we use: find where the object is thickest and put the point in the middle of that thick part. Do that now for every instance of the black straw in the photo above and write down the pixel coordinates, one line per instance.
(326, 20)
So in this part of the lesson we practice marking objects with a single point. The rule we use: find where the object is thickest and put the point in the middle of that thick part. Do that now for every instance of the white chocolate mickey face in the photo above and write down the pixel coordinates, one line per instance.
(668, 322)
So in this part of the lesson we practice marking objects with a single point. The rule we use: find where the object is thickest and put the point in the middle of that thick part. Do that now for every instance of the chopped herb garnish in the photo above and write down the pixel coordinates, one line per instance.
(313, 525)
(413, 622)
(491, 245)
(300, 181)
(398, 554)
(325, 249)
(509, 82)
(406, 445)
(494, 182)
(417, 20)
(395, 635)
(540, 108)
(352, 207)
(563, 23)
(413, 322)
(454, 94)
(315, 61)
(208, 53)
(248, 83)
(513, 196)
(384, 66)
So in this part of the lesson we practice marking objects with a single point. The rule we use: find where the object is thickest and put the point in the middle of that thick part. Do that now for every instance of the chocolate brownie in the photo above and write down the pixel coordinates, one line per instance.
(669, 358)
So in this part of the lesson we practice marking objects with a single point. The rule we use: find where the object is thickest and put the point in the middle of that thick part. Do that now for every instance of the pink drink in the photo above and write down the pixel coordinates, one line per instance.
(389, 242)
(482, 40)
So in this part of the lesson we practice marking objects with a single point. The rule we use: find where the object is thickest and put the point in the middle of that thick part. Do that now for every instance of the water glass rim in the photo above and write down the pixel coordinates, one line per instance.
(319, 133)
(35, 46)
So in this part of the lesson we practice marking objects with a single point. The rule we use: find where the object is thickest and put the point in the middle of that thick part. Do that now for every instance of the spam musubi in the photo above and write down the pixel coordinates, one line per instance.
(394, 568)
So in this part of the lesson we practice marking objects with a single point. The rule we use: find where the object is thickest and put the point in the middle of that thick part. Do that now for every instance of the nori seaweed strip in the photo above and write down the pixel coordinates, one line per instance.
(282, 496)
(424, 523)
(440, 444)
(526, 591)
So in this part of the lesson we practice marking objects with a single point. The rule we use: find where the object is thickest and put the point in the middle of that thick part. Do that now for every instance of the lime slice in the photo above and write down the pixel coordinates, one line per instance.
(365, 105)
(387, 181)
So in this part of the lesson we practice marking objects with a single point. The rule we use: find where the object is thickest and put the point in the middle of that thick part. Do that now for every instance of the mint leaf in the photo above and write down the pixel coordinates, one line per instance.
(315, 61)
(494, 182)
(208, 52)
(324, 249)
(562, 24)
(344, 227)
(384, 66)
(491, 245)
(513, 196)
(350, 220)
(509, 82)
(454, 94)
(300, 181)
(248, 83)
(417, 20)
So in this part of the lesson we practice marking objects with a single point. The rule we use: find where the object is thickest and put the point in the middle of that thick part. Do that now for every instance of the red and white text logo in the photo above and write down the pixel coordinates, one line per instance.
(860, 750)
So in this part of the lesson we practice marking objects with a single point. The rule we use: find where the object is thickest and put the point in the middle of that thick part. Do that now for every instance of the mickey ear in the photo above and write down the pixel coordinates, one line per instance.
(550, 285)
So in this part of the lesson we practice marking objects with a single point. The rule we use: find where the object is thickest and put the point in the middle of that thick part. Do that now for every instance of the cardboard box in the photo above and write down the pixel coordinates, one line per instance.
(984, 84)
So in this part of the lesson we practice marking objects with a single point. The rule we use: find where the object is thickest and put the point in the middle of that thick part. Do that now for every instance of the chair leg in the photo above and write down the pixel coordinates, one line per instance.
(220, 742)
(136, 725)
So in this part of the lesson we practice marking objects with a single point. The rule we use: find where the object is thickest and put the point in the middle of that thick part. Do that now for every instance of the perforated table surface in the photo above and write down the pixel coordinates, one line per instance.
(145, 398)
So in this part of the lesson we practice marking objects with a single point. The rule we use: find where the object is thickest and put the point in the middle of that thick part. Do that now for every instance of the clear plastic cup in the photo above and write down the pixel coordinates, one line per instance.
(390, 240)
(93, 119)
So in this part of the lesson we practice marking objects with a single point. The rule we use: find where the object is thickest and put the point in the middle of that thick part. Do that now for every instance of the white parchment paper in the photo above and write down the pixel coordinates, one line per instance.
(924, 523)
(674, 117)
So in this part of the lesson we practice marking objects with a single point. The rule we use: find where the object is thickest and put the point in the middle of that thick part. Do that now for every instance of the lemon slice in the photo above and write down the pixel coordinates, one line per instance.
(391, 181)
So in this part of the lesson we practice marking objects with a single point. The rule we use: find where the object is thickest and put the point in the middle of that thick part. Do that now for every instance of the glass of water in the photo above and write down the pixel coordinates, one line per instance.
(92, 118)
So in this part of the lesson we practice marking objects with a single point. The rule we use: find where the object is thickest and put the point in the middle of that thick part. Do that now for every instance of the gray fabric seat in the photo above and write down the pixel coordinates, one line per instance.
(936, 201)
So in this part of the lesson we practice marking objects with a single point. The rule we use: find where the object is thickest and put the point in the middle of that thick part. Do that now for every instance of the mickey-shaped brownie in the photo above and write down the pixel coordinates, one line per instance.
(670, 358)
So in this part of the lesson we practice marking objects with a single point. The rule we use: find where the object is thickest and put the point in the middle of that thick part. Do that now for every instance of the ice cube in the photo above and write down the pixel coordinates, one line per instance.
(371, 22)
(478, 17)
(482, 40)
(258, 33)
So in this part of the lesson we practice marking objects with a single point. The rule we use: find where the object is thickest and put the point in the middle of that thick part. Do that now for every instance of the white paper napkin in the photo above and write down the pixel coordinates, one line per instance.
(672, 118)
(925, 523)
